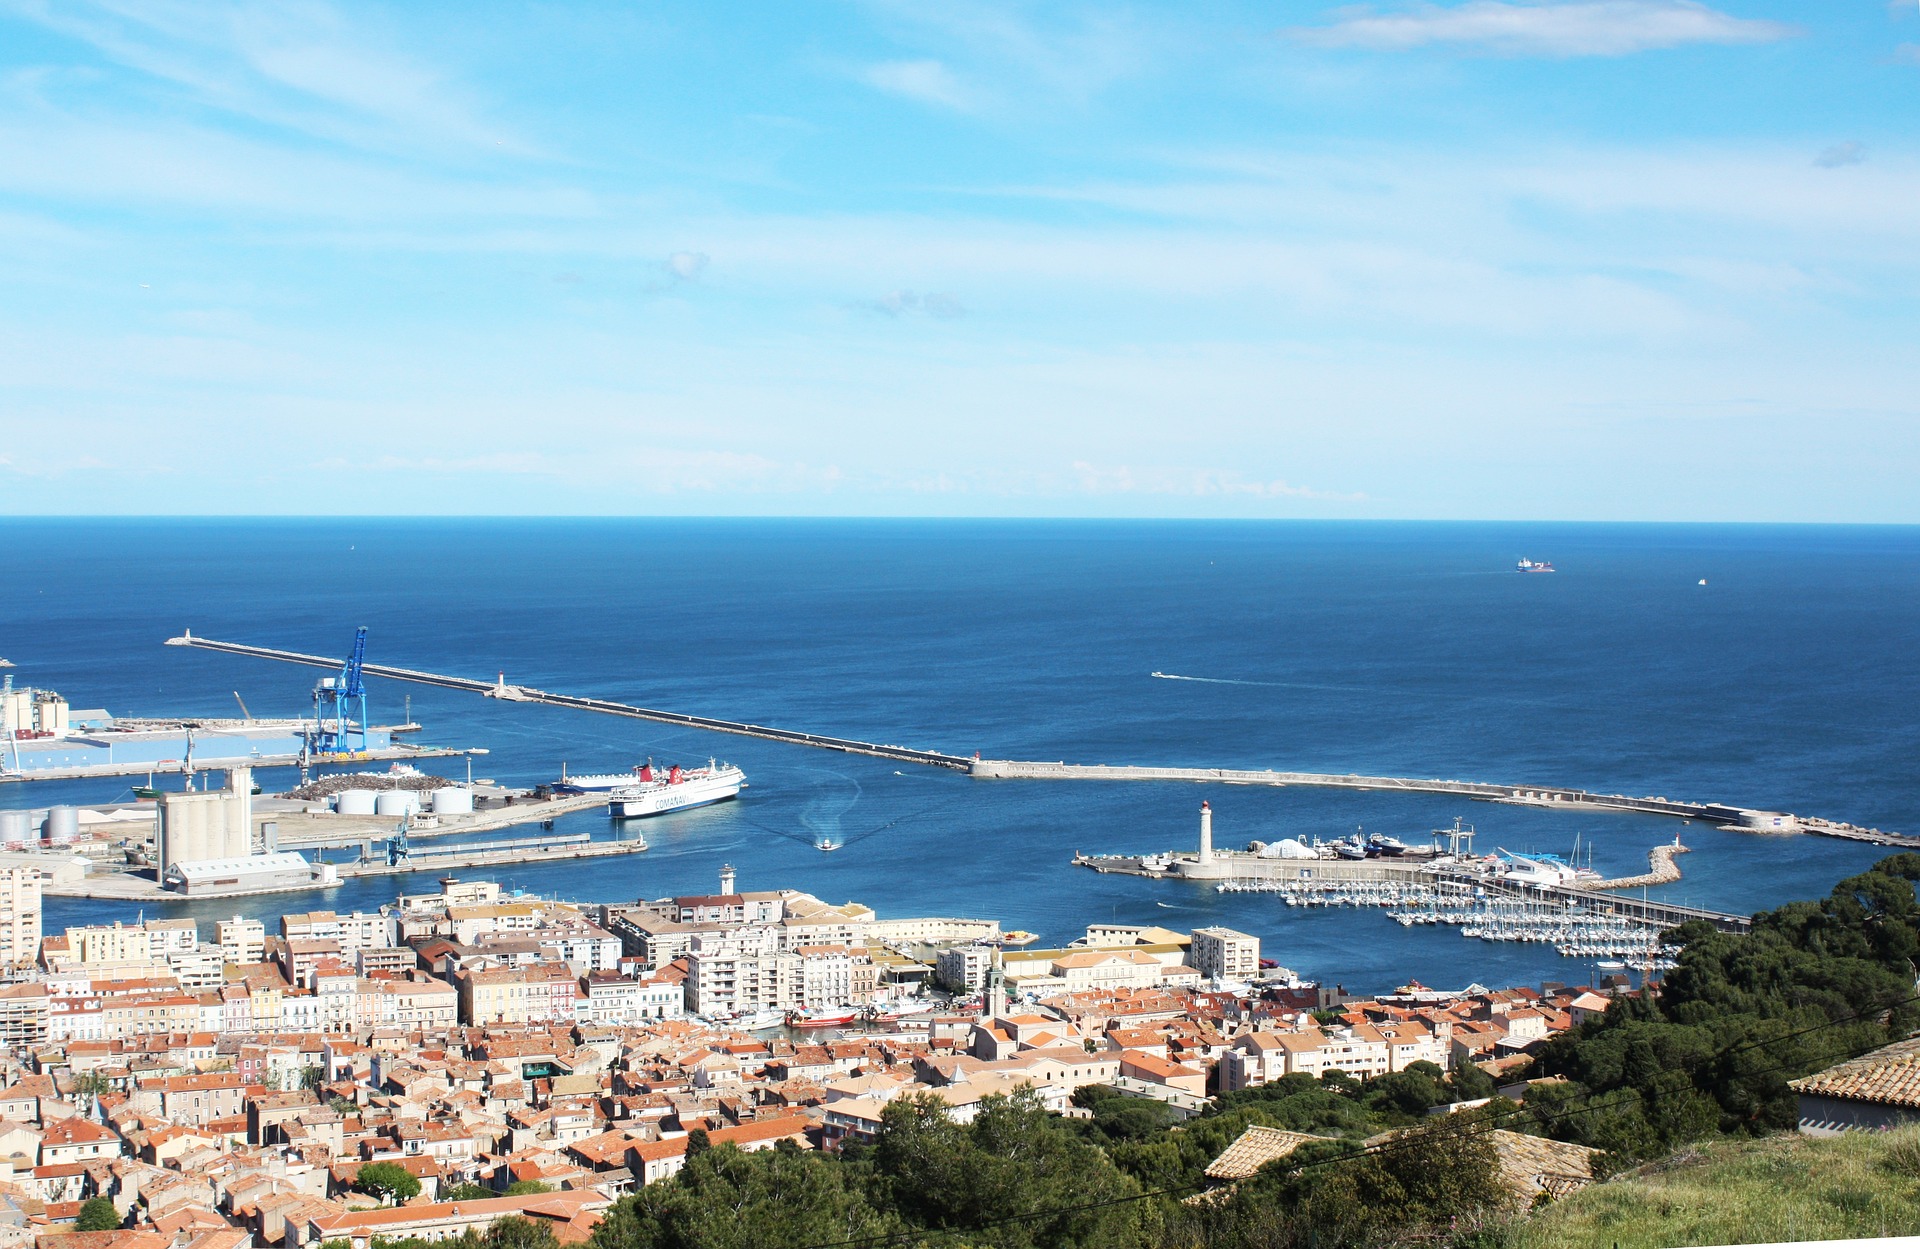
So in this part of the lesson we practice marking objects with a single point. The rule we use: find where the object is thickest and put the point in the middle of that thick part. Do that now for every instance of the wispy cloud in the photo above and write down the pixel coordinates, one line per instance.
(1554, 28)
(928, 81)
(658, 469)
(686, 266)
(1852, 152)
(1194, 482)
(936, 304)
(981, 54)
(297, 64)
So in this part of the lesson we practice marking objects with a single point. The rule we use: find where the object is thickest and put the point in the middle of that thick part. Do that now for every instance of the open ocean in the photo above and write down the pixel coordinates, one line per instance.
(1787, 682)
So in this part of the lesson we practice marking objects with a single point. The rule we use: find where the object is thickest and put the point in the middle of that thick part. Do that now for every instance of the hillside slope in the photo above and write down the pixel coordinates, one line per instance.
(1785, 1187)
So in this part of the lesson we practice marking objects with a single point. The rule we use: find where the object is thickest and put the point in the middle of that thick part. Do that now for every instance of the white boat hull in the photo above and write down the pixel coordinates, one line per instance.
(659, 797)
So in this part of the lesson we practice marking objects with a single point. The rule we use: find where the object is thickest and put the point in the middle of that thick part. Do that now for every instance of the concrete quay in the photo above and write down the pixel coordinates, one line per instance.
(142, 886)
(1558, 798)
(214, 763)
(316, 829)
(1552, 797)
(1239, 865)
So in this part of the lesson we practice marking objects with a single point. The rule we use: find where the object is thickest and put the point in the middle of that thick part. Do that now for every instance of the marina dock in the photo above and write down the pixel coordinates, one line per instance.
(1548, 797)
(1242, 872)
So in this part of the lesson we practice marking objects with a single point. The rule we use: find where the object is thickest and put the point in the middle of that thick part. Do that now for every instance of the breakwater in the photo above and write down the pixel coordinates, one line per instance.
(1550, 797)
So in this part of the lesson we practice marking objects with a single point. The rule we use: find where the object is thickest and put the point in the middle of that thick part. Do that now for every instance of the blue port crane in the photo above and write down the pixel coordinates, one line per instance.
(340, 704)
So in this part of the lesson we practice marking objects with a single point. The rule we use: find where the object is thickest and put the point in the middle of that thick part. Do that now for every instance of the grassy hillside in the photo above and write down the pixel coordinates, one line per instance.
(1785, 1187)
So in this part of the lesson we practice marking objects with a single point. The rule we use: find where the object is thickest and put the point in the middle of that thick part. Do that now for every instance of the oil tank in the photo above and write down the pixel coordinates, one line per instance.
(396, 802)
(355, 802)
(453, 800)
(16, 829)
(63, 826)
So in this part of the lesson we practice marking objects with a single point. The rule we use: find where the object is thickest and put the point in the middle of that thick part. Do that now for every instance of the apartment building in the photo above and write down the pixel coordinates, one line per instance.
(19, 916)
(1224, 954)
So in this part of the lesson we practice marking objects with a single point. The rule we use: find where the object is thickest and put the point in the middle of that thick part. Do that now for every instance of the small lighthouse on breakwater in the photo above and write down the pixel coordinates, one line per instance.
(1206, 833)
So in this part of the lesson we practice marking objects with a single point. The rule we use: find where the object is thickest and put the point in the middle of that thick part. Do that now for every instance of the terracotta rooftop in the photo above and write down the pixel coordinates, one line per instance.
(1888, 1077)
(1253, 1149)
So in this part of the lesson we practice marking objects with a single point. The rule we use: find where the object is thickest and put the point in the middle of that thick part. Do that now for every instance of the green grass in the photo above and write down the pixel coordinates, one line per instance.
(1786, 1187)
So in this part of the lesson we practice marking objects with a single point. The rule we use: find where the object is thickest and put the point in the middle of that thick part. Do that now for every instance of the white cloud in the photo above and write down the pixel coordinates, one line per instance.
(1562, 28)
(936, 304)
(929, 82)
(686, 266)
(298, 64)
(1852, 152)
(1193, 482)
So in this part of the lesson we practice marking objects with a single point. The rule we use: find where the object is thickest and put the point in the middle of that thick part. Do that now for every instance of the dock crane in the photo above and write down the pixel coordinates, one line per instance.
(336, 701)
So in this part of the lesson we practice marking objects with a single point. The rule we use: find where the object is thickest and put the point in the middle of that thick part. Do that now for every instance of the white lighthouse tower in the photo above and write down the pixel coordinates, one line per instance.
(1206, 833)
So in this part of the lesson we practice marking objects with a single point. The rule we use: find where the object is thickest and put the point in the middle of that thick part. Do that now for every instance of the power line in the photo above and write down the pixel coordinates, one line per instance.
(1396, 1144)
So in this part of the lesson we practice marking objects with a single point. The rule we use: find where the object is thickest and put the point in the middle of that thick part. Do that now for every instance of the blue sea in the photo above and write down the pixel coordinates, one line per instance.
(1787, 681)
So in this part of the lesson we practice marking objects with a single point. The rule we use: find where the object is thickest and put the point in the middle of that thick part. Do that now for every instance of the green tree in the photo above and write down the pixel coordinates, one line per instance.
(1014, 1178)
(726, 1199)
(468, 1192)
(518, 1233)
(388, 1181)
(91, 1084)
(97, 1215)
(527, 1188)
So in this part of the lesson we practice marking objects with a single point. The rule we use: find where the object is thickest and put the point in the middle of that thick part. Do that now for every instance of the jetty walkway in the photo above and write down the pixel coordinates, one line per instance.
(527, 694)
(1661, 870)
(1553, 797)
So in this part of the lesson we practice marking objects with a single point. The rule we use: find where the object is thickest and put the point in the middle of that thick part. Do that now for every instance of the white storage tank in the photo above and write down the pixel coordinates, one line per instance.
(396, 802)
(63, 826)
(16, 829)
(453, 800)
(355, 802)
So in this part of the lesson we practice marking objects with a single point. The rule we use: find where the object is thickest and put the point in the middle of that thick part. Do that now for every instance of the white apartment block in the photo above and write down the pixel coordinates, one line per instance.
(739, 973)
(1363, 1051)
(19, 916)
(242, 941)
(1223, 954)
(963, 968)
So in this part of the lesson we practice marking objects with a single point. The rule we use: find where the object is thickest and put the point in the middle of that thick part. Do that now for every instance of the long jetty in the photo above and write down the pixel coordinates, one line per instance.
(1554, 797)
(527, 694)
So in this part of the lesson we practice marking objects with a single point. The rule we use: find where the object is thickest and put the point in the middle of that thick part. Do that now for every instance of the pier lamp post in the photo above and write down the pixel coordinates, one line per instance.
(477, 750)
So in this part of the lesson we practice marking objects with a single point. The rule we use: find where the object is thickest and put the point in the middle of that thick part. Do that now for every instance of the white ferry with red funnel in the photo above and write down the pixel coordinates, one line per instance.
(653, 792)
(1534, 565)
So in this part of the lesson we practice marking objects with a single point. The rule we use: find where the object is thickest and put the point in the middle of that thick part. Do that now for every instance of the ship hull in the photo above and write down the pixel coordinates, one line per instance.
(659, 798)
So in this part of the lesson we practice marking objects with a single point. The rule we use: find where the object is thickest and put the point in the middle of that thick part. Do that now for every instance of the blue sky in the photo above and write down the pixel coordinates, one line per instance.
(1572, 259)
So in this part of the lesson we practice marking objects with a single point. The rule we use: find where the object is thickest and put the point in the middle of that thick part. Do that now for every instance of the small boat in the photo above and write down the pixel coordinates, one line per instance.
(760, 1021)
(1388, 847)
(1019, 937)
(1611, 964)
(1529, 565)
(894, 1012)
(1350, 848)
(820, 1019)
(828, 844)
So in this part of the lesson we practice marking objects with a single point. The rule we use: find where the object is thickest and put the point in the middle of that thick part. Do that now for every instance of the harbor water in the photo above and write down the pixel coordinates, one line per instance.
(1785, 682)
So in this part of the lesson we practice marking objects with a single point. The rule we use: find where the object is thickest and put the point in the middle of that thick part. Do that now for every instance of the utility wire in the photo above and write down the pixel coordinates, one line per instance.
(1395, 1144)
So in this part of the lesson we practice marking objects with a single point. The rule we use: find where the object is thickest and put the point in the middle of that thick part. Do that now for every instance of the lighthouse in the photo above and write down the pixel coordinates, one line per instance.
(1206, 833)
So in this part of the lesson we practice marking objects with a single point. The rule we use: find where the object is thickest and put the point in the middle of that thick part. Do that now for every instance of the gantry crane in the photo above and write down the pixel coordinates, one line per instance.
(340, 704)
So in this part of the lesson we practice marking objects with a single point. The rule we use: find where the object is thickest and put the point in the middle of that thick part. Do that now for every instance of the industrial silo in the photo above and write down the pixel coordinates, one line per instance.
(396, 802)
(453, 800)
(16, 829)
(354, 802)
(63, 826)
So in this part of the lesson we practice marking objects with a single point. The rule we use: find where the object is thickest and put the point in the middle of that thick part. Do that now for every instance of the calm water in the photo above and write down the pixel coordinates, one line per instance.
(1786, 682)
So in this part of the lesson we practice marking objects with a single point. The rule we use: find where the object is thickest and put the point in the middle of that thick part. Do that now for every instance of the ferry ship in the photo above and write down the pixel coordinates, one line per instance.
(649, 793)
(1530, 565)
